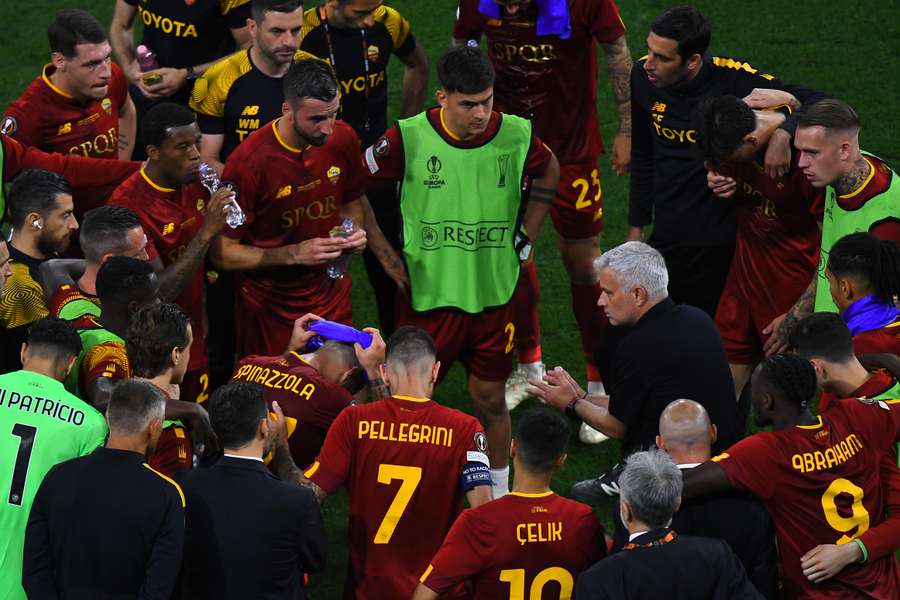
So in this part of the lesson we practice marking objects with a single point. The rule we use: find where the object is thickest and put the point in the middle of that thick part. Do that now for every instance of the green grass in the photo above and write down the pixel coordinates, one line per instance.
(846, 49)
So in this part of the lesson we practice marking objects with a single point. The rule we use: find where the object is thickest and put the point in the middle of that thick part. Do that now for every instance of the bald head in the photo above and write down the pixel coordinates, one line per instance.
(685, 432)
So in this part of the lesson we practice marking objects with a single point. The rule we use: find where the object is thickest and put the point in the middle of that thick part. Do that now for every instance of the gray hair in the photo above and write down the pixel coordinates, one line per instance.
(133, 405)
(651, 485)
(636, 264)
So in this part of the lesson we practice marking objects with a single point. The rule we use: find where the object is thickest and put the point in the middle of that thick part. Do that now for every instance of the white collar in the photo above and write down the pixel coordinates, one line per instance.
(637, 534)
(244, 457)
(688, 465)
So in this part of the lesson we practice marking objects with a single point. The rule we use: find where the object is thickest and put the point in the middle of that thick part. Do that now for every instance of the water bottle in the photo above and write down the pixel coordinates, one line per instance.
(210, 180)
(338, 266)
(146, 59)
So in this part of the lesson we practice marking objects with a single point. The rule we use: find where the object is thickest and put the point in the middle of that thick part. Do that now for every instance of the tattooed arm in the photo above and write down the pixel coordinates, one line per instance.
(543, 190)
(282, 462)
(618, 66)
(363, 216)
(780, 328)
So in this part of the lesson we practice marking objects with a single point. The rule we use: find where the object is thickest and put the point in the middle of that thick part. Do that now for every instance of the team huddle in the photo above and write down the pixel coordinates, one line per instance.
(182, 384)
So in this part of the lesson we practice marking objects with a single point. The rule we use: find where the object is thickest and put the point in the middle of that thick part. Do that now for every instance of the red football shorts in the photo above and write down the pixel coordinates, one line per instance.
(577, 210)
(740, 321)
(195, 386)
(482, 342)
(261, 331)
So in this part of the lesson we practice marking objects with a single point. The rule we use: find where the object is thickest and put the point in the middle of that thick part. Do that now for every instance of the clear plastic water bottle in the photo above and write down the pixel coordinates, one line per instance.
(338, 266)
(210, 180)
(146, 58)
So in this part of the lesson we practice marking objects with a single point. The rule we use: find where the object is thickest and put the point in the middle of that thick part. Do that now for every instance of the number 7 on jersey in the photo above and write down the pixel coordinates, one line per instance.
(409, 480)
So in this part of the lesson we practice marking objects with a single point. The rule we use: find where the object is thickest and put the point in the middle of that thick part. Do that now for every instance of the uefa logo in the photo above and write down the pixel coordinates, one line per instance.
(434, 165)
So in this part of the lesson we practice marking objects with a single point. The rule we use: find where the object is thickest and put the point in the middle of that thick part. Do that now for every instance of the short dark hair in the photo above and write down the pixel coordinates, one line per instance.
(722, 122)
(235, 411)
(132, 405)
(71, 27)
(35, 191)
(465, 70)
(259, 8)
(822, 335)
(122, 279)
(157, 123)
(542, 436)
(792, 376)
(310, 78)
(55, 338)
(154, 331)
(874, 262)
(830, 113)
(104, 230)
(687, 26)
(408, 345)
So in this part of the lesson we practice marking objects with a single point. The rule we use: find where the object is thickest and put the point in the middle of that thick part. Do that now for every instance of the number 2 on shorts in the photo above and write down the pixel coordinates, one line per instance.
(409, 480)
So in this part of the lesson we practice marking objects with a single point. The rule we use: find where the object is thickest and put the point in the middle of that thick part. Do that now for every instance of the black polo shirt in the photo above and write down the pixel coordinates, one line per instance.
(674, 351)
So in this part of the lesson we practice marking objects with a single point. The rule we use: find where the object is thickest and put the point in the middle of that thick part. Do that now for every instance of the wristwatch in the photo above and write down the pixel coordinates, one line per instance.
(191, 74)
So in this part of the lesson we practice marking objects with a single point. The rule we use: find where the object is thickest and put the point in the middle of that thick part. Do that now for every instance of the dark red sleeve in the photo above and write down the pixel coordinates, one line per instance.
(242, 175)
(25, 126)
(80, 171)
(748, 466)
(356, 181)
(118, 86)
(384, 159)
(332, 466)
(602, 19)
(878, 422)
(465, 552)
(538, 159)
(888, 229)
(884, 538)
(469, 22)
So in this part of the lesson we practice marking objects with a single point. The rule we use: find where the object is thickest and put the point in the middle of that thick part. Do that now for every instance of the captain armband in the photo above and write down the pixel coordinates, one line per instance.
(475, 472)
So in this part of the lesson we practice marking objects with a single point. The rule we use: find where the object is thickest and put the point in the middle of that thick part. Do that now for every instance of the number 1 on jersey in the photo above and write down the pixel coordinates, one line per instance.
(26, 434)
(409, 480)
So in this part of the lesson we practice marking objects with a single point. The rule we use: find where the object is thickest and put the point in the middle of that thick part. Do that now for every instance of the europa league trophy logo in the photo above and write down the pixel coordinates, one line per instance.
(503, 165)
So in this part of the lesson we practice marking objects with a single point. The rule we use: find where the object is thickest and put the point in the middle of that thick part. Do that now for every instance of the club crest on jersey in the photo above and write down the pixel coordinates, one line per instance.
(480, 441)
(373, 53)
(168, 228)
(334, 173)
(9, 126)
(106, 105)
(200, 204)
(64, 128)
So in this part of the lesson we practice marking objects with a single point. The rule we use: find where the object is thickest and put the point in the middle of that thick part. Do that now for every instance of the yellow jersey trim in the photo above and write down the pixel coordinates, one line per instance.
(412, 399)
(211, 89)
(170, 480)
(50, 83)
(426, 573)
(816, 426)
(863, 185)
(527, 495)
(154, 185)
(312, 470)
(447, 129)
(286, 146)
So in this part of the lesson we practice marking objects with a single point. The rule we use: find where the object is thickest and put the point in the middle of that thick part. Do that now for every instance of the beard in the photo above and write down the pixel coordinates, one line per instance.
(49, 247)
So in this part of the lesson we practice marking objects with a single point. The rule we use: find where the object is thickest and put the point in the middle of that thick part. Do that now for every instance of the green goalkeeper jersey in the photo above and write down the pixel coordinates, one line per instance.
(41, 425)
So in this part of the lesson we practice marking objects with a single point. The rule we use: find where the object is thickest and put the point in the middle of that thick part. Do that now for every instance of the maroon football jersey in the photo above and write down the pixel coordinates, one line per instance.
(884, 340)
(171, 218)
(778, 235)
(547, 79)
(46, 117)
(290, 195)
(302, 393)
(402, 460)
(821, 485)
(519, 546)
